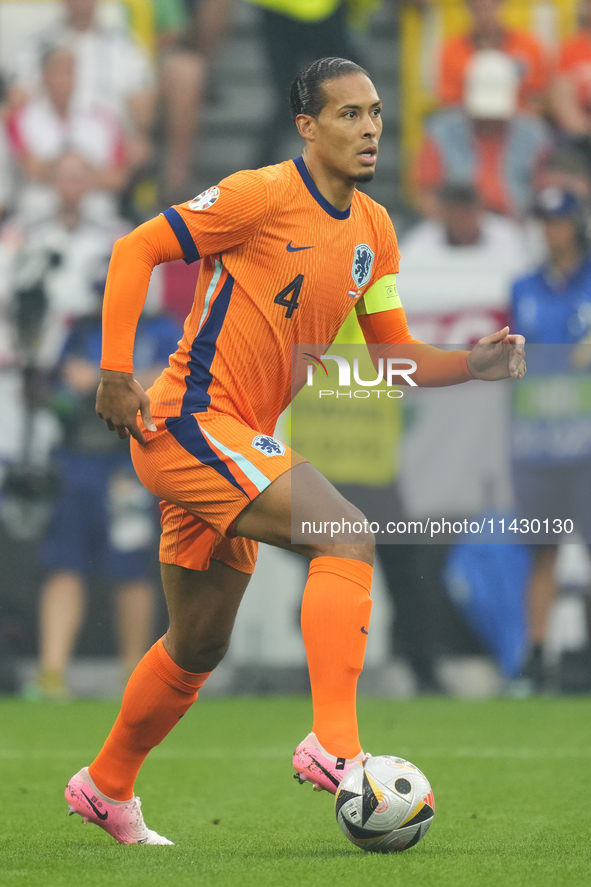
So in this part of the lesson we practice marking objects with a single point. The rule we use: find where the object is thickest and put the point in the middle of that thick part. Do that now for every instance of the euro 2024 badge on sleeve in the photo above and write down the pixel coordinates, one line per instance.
(205, 199)
(362, 264)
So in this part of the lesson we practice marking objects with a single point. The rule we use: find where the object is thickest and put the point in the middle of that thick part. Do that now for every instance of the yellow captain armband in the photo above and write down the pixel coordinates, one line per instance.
(381, 296)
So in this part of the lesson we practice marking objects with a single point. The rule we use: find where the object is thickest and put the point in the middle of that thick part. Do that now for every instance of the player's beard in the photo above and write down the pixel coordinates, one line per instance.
(363, 178)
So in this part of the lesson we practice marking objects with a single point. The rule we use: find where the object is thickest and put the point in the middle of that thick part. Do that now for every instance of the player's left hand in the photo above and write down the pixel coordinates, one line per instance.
(499, 356)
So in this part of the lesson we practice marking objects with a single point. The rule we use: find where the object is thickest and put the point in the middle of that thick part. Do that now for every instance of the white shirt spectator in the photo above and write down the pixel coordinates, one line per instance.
(25, 255)
(93, 133)
(27, 252)
(71, 264)
(456, 295)
(110, 67)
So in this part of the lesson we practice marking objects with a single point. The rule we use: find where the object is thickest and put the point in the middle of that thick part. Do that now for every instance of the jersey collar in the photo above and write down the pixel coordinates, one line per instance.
(322, 201)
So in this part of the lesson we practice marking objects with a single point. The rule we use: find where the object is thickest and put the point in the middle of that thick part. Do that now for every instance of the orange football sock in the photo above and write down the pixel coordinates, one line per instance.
(335, 621)
(157, 695)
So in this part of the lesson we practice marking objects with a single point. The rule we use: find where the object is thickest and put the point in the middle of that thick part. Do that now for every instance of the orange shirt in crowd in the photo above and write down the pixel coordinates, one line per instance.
(575, 62)
(532, 60)
(429, 171)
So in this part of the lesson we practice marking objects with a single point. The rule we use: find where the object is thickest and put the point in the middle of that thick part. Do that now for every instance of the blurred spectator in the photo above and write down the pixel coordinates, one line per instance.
(455, 278)
(185, 47)
(294, 35)
(48, 271)
(46, 127)
(487, 143)
(571, 92)
(530, 62)
(104, 522)
(111, 70)
(51, 271)
(457, 268)
(5, 172)
(65, 250)
(551, 449)
(567, 168)
(455, 281)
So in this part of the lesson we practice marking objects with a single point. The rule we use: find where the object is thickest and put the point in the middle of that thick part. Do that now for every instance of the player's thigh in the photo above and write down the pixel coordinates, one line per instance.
(202, 606)
(303, 494)
(210, 466)
(204, 576)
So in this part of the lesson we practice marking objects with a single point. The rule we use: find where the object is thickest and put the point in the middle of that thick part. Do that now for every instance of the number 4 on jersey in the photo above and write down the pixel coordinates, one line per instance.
(291, 304)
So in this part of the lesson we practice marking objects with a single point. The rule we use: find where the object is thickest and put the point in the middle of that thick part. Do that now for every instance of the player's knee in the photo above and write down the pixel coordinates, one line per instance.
(363, 553)
(207, 656)
(200, 655)
(352, 537)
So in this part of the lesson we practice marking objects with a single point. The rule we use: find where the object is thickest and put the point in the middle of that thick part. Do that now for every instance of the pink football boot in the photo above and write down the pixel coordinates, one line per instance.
(313, 764)
(122, 820)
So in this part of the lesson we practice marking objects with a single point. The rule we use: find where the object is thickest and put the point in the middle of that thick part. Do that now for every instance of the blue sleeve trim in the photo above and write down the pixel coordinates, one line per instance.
(184, 237)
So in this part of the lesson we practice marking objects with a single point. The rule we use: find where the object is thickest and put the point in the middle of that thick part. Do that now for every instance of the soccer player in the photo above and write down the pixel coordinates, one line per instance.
(278, 247)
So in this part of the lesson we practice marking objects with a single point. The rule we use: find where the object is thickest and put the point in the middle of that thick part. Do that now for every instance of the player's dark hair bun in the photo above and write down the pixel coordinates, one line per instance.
(307, 96)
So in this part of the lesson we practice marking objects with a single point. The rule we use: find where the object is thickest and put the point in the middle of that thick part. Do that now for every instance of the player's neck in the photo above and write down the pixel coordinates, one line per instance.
(338, 191)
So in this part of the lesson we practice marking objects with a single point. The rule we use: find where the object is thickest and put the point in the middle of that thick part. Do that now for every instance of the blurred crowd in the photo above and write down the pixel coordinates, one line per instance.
(101, 129)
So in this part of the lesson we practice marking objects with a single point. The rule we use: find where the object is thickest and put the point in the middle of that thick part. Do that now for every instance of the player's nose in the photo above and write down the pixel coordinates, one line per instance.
(370, 126)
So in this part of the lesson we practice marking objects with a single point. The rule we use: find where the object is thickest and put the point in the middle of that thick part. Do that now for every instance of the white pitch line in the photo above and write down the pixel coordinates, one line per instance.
(276, 753)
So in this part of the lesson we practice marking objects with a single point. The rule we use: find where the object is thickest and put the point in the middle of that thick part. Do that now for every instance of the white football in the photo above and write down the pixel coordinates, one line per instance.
(385, 804)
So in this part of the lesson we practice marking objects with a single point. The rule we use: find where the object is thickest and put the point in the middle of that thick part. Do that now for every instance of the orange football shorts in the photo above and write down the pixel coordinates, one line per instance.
(206, 468)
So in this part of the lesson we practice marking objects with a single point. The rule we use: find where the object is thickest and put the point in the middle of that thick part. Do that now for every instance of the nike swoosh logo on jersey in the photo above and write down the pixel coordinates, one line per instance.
(297, 249)
(100, 815)
(363, 630)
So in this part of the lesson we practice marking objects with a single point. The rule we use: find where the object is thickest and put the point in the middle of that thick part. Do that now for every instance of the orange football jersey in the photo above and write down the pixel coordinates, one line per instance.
(280, 266)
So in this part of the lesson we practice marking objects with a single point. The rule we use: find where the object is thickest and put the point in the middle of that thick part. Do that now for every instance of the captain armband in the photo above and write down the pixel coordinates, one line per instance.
(381, 296)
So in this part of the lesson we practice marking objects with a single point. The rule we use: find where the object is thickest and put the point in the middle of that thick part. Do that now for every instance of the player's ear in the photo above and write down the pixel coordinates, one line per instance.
(306, 126)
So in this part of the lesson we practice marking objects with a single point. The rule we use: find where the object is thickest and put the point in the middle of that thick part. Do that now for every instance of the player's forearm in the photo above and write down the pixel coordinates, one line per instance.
(435, 368)
(133, 260)
(125, 293)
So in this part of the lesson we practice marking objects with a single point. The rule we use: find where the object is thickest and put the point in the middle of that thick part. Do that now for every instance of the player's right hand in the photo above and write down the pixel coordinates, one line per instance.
(118, 400)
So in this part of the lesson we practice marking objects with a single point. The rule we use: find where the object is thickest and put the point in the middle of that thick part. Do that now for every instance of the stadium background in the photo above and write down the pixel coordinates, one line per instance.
(400, 45)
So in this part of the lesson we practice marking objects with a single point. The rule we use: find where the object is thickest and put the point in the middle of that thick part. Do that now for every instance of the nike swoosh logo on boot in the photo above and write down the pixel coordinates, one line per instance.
(100, 815)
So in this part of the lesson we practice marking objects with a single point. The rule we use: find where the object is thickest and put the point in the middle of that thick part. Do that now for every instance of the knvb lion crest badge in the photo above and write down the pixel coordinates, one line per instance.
(268, 445)
(205, 199)
(362, 264)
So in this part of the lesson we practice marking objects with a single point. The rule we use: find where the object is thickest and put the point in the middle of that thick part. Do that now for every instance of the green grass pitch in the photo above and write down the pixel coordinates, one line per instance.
(512, 783)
